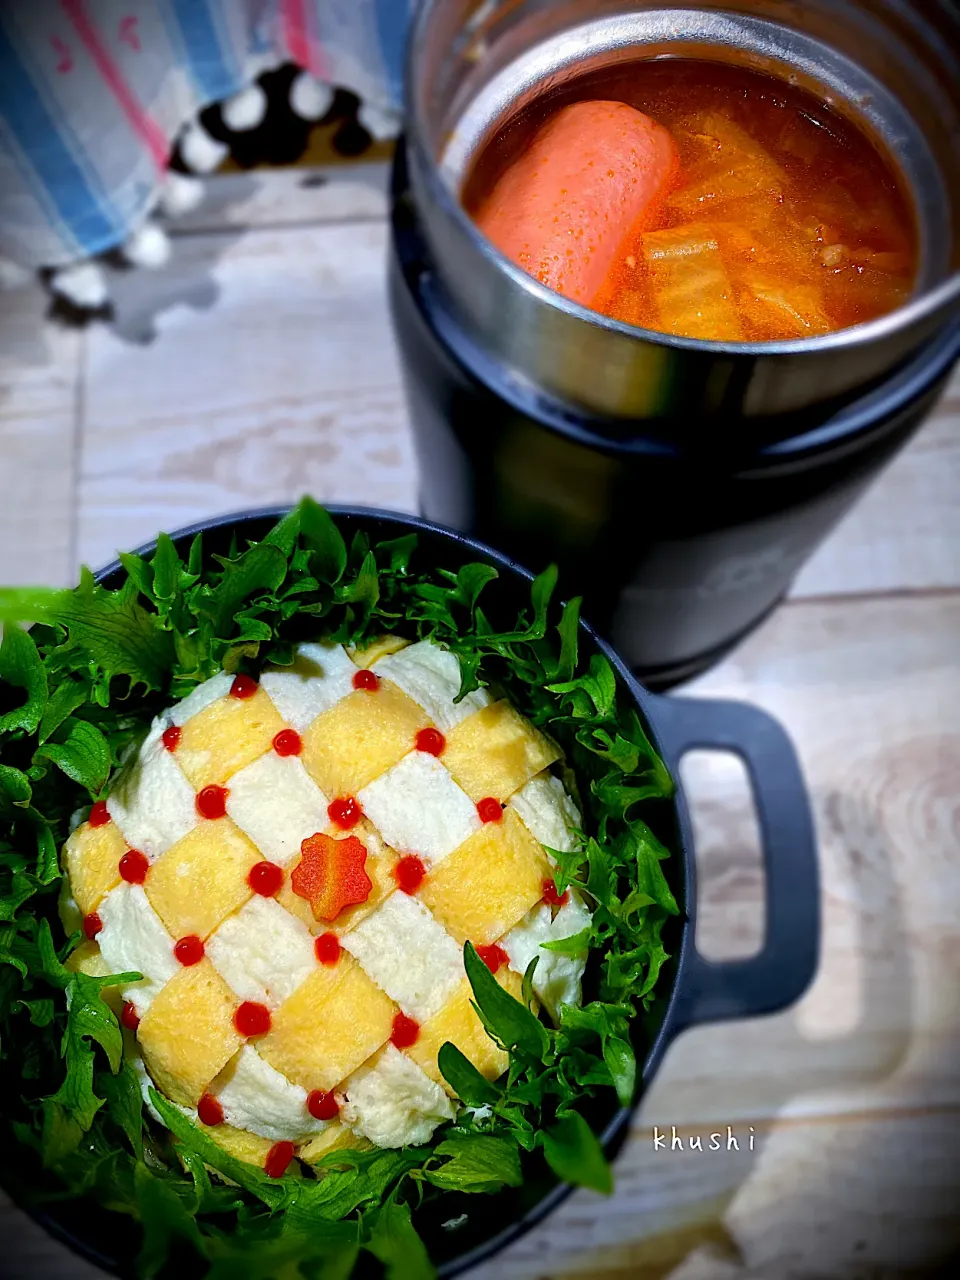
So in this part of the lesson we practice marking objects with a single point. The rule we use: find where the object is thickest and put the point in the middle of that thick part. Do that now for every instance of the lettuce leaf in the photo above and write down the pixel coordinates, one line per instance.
(389, 1234)
(505, 1018)
(21, 668)
(165, 1217)
(90, 1022)
(574, 1154)
(477, 1163)
(109, 628)
(81, 751)
(463, 1077)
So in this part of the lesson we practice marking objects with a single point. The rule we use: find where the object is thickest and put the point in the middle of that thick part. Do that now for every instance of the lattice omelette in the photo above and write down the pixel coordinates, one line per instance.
(294, 865)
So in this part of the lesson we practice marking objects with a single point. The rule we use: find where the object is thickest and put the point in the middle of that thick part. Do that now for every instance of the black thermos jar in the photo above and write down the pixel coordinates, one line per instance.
(679, 483)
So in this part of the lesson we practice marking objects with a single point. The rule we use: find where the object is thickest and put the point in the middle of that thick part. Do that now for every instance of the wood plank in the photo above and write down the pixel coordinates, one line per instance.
(869, 691)
(845, 1199)
(272, 374)
(289, 197)
(39, 368)
(904, 534)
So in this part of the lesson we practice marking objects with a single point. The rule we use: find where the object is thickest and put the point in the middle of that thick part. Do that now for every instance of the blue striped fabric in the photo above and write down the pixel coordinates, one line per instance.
(47, 155)
(92, 93)
(393, 17)
(193, 27)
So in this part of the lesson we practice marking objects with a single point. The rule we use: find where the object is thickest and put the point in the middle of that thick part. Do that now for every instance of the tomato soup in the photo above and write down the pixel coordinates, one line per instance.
(699, 199)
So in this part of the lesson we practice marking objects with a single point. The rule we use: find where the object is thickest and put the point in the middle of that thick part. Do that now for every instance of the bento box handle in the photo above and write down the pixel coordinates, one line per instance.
(711, 991)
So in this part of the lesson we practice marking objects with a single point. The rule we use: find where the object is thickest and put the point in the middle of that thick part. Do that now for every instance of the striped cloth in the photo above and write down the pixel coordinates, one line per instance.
(94, 92)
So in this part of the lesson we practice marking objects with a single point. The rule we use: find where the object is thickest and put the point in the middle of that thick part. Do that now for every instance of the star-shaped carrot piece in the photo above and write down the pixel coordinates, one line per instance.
(331, 875)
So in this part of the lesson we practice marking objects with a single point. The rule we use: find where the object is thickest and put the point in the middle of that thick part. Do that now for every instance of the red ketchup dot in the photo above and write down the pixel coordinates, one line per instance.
(405, 1031)
(92, 924)
(252, 1019)
(493, 957)
(278, 1159)
(189, 950)
(265, 878)
(551, 897)
(129, 1016)
(344, 812)
(133, 867)
(368, 680)
(99, 814)
(171, 737)
(209, 1110)
(243, 687)
(409, 873)
(212, 802)
(431, 741)
(322, 1105)
(288, 743)
(489, 810)
(327, 950)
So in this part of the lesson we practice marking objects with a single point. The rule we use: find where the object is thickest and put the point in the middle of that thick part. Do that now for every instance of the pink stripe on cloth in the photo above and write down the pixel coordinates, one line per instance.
(140, 120)
(302, 43)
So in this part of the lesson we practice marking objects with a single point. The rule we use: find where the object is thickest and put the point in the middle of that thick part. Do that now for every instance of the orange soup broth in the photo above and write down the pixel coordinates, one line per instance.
(785, 221)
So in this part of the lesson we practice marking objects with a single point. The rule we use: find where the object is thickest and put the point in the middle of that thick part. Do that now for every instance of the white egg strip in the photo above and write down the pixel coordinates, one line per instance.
(431, 677)
(278, 805)
(263, 953)
(556, 979)
(200, 698)
(548, 812)
(320, 676)
(256, 1097)
(133, 939)
(408, 954)
(151, 801)
(418, 808)
(393, 1103)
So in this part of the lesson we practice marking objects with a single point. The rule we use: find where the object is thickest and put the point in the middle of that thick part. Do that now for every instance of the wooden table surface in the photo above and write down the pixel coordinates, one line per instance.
(259, 365)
